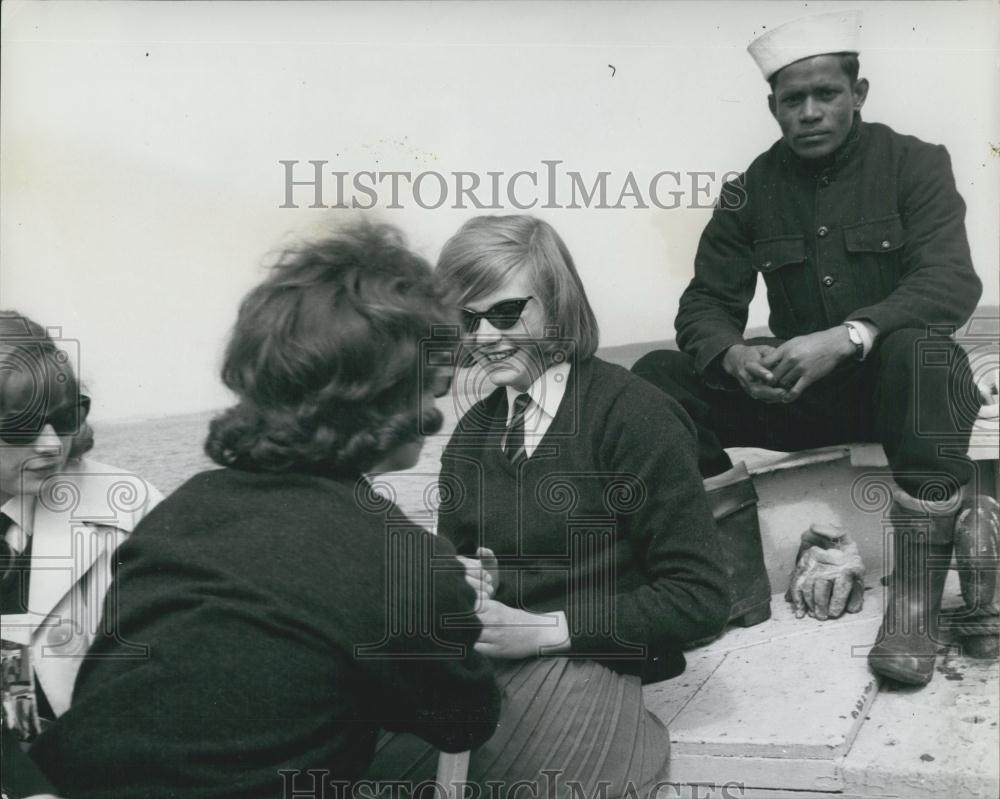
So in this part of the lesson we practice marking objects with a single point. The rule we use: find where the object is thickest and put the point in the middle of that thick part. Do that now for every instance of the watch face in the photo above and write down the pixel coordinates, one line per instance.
(855, 337)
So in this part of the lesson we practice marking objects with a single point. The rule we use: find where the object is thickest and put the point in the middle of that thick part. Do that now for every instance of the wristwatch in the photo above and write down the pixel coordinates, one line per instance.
(859, 345)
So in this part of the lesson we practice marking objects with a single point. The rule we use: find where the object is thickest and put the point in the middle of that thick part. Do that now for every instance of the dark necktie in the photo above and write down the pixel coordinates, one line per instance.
(514, 448)
(7, 553)
(12, 566)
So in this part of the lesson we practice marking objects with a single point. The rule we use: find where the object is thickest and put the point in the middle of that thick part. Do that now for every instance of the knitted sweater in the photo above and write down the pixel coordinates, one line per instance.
(269, 623)
(607, 521)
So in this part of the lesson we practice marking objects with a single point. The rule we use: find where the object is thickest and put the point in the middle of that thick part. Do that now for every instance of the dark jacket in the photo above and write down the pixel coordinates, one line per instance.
(876, 232)
(607, 520)
(263, 623)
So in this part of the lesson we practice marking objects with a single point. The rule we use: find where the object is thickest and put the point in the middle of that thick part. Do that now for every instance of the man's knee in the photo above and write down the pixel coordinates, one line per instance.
(662, 367)
(935, 370)
(900, 347)
(911, 351)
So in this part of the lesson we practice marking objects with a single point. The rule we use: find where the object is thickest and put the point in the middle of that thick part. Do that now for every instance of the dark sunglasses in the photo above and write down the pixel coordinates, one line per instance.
(503, 315)
(25, 428)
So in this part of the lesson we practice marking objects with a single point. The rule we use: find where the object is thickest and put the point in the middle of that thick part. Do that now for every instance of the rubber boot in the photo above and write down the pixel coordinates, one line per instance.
(977, 558)
(906, 647)
(733, 501)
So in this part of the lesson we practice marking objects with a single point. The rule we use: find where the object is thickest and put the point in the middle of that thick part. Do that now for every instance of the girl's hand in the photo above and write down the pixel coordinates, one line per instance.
(514, 634)
(489, 563)
(481, 572)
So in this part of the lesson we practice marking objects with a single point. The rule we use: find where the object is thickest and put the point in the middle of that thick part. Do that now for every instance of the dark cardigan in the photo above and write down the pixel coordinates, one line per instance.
(262, 625)
(607, 521)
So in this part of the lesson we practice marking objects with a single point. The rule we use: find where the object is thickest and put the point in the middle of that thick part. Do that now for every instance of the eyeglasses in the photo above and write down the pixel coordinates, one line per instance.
(503, 315)
(24, 429)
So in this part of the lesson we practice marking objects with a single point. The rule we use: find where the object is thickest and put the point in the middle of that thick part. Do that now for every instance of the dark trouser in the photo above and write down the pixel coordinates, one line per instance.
(914, 394)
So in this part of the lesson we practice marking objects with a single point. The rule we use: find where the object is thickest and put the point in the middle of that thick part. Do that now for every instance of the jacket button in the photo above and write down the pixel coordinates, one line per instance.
(824, 181)
(823, 230)
(828, 281)
(886, 244)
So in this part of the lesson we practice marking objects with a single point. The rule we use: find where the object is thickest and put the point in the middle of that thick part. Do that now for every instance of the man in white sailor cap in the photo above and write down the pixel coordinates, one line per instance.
(859, 234)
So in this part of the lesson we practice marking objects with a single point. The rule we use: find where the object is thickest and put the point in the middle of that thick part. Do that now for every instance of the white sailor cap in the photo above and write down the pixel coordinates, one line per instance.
(819, 34)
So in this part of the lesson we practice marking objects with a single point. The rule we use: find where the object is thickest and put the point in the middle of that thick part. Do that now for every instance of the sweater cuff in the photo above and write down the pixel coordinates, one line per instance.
(600, 644)
(708, 359)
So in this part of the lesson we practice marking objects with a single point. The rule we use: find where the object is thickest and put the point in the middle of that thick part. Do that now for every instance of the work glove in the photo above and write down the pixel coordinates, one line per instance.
(828, 577)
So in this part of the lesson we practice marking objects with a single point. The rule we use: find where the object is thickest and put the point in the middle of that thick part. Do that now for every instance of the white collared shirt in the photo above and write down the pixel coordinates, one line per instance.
(546, 395)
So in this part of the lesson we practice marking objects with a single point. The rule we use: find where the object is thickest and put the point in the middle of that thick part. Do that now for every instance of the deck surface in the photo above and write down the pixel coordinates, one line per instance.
(790, 705)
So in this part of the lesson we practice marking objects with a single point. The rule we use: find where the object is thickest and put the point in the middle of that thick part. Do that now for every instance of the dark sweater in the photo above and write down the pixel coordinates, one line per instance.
(607, 521)
(241, 604)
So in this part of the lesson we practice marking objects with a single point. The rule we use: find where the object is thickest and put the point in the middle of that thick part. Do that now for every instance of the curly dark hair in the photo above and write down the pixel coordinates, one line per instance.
(36, 377)
(325, 358)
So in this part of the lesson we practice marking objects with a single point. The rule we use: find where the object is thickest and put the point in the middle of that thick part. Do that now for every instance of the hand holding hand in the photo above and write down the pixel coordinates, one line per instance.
(482, 572)
(828, 578)
(801, 361)
(745, 362)
(514, 634)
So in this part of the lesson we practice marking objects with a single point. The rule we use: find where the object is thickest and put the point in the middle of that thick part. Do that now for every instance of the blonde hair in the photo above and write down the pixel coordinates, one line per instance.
(488, 250)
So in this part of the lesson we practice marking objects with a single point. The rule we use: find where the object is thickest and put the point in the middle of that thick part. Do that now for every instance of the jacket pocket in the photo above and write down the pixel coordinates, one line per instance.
(882, 235)
(774, 253)
(780, 260)
(874, 258)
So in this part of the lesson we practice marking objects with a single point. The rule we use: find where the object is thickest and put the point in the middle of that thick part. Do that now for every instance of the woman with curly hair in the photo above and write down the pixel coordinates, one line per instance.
(267, 593)
(62, 516)
(580, 483)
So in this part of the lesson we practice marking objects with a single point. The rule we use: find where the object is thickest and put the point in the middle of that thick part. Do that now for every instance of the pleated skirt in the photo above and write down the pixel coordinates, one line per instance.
(563, 723)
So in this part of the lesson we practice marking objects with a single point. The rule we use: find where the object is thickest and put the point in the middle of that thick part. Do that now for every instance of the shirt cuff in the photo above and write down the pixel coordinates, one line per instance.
(867, 332)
